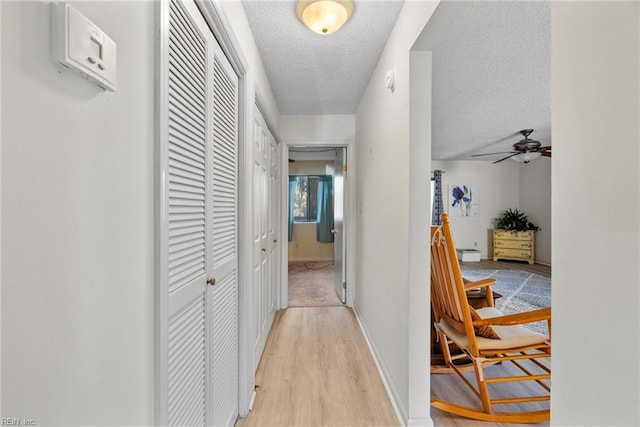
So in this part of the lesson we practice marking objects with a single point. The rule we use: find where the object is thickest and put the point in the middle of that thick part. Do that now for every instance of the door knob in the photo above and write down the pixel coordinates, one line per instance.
(211, 281)
(334, 231)
(263, 250)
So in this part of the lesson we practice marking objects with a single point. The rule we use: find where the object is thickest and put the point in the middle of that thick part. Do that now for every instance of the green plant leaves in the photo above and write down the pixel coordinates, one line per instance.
(513, 219)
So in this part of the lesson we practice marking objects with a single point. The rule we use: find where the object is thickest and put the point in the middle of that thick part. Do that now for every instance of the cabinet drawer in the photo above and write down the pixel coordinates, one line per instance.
(513, 253)
(513, 235)
(513, 244)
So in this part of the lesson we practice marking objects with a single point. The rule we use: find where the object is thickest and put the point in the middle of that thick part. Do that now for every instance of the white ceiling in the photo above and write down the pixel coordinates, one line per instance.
(319, 74)
(491, 67)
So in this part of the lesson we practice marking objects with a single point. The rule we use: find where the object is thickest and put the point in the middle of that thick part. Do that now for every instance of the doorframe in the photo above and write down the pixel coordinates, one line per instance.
(349, 214)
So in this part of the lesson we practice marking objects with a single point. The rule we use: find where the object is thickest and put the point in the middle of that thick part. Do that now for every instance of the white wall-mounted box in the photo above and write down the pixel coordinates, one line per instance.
(78, 44)
(468, 255)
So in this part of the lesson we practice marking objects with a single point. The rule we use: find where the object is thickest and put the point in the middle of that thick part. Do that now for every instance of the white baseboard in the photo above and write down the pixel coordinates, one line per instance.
(253, 400)
(420, 422)
(389, 386)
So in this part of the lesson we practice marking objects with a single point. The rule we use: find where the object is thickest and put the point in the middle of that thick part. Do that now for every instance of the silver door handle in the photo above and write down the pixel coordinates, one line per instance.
(334, 231)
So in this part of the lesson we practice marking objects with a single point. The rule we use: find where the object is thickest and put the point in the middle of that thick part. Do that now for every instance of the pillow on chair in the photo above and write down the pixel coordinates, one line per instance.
(484, 331)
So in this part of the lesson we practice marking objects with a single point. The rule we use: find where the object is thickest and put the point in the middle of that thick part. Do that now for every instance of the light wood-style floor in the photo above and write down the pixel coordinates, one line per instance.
(317, 371)
(449, 387)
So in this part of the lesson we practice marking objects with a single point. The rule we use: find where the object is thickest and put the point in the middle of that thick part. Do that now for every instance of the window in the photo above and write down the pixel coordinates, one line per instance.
(305, 200)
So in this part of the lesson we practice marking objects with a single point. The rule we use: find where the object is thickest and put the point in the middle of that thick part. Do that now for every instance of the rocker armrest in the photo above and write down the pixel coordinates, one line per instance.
(517, 319)
(483, 283)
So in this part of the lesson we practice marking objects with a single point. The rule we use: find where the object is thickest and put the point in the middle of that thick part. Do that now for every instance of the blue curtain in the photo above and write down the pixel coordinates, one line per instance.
(438, 206)
(325, 209)
(292, 196)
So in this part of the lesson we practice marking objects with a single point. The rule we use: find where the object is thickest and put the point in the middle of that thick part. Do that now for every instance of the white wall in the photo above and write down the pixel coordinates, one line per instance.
(1, 211)
(495, 187)
(311, 167)
(317, 128)
(535, 201)
(77, 221)
(382, 212)
(596, 211)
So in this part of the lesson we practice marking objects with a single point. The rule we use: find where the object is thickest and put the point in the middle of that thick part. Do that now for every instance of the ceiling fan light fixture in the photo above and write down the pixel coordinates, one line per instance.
(527, 156)
(324, 16)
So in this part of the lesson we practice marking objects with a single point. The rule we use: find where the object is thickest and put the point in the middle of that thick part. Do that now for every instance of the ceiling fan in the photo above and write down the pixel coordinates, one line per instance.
(524, 151)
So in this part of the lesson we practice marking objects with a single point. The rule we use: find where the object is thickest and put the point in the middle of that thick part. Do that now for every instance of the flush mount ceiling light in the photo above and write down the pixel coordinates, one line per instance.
(324, 16)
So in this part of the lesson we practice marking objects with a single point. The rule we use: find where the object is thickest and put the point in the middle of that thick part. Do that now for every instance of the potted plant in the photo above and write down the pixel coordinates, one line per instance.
(514, 220)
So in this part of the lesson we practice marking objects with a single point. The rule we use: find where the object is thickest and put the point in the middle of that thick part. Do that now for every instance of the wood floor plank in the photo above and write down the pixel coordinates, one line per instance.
(317, 371)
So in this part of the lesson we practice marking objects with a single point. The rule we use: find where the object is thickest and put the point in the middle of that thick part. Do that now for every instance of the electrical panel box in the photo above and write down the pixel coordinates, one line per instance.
(78, 44)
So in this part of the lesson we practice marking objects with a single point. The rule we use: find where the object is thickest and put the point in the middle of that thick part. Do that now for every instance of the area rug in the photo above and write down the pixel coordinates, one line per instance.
(520, 290)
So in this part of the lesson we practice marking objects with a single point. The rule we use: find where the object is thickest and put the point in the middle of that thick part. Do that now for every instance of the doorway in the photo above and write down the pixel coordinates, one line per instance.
(316, 228)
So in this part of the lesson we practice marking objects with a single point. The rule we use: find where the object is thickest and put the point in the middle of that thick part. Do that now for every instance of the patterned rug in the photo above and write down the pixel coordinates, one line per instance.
(520, 290)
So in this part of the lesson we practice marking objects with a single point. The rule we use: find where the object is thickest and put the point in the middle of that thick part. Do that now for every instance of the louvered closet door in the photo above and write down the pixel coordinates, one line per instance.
(224, 243)
(187, 282)
(198, 372)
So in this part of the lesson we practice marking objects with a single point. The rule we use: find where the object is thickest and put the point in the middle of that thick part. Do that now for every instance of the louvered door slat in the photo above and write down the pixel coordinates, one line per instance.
(187, 141)
(188, 80)
(188, 30)
(187, 158)
(187, 124)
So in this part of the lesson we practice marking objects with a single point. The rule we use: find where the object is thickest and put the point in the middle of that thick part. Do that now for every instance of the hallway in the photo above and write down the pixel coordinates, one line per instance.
(317, 371)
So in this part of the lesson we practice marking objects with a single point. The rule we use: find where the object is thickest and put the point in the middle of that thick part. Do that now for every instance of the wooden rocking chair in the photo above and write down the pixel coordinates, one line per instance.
(476, 333)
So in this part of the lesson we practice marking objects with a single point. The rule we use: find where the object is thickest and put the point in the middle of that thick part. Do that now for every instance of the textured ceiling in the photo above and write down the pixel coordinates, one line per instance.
(491, 67)
(491, 78)
(315, 74)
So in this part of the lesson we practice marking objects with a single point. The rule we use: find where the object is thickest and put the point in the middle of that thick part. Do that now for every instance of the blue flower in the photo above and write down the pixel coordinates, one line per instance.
(459, 195)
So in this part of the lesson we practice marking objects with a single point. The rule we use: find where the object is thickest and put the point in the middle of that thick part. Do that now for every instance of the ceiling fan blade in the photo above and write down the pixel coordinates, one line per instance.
(546, 153)
(508, 157)
(491, 154)
(548, 147)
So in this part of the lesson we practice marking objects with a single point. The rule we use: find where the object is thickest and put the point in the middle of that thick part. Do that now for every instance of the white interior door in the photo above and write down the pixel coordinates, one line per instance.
(264, 234)
(197, 313)
(339, 246)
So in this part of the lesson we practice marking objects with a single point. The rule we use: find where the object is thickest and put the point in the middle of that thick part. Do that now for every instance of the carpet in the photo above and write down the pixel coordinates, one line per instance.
(521, 291)
(312, 284)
